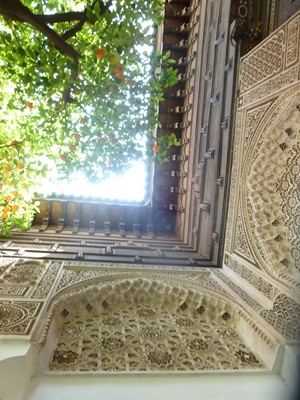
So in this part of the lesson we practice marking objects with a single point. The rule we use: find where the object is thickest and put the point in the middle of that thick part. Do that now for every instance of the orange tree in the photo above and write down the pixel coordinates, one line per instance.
(79, 92)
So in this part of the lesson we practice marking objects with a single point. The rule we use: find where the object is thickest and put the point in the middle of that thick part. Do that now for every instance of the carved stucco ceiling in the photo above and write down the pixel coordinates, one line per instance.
(143, 325)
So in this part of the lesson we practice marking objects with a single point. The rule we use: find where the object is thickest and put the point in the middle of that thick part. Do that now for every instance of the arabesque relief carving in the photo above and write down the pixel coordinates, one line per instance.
(22, 273)
(18, 317)
(148, 339)
(43, 288)
(259, 283)
(240, 292)
(17, 276)
(273, 65)
(145, 325)
(272, 188)
(284, 317)
(263, 62)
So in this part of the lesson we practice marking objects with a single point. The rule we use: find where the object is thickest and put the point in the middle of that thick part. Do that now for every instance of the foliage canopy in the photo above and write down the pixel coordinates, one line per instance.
(79, 91)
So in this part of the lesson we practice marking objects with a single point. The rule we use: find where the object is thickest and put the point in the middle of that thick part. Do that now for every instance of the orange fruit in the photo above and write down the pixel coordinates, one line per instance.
(100, 53)
(15, 207)
(8, 183)
(5, 215)
(156, 148)
(20, 166)
(77, 137)
(24, 185)
(72, 147)
(82, 121)
(8, 198)
(62, 157)
(13, 144)
(6, 209)
(15, 193)
(6, 169)
(29, 105)
(119, 72)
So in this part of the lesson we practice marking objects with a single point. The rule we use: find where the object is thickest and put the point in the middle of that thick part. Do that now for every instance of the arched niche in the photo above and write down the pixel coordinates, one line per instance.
(142, 325)
(270, 180)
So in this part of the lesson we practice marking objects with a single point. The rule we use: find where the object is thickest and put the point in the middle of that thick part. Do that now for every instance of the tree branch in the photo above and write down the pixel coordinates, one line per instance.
(15, 10)
(72, 32)
(61, 17)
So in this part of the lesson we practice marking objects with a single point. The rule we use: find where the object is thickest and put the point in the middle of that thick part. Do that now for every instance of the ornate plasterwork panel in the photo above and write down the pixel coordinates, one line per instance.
(269, 192)
(18, 317)
(141, 324)
(263, 217)
(233, 193)
(144, 338)
(284, 317)
(263, 62)
(16, 277)
(263, 286)
(241, 243)
(239, 291)
(43, 288)
(26, 273)
(272, 65)
(21, 283)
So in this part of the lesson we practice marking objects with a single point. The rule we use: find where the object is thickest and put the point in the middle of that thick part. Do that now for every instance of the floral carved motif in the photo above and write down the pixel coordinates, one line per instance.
(18, 318)
(23, 273)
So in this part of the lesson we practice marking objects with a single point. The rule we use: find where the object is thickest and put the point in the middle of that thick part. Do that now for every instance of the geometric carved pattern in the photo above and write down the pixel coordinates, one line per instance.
(292, 52)
(13, 291)
(263, 62)
(285, 317)
(263, 71)
(148, 339)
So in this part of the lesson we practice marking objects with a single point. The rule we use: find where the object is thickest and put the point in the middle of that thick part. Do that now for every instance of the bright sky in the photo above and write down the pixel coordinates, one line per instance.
(129, 187)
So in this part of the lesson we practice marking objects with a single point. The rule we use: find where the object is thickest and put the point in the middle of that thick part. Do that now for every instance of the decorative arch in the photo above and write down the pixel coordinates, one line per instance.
(142, 324)
(269, 192)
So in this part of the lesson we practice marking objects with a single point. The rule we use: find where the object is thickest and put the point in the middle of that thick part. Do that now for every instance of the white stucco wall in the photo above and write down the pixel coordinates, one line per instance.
(21, 379)
(212, 387)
